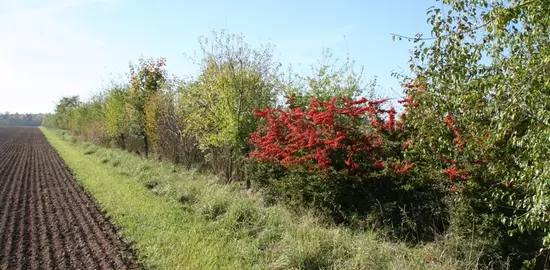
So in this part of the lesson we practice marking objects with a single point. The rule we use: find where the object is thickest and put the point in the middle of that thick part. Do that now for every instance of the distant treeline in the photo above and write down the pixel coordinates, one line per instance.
(16, 119)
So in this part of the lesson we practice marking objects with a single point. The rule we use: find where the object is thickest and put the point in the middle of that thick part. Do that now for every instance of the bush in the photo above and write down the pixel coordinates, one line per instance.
(412, 213)
(479, 91)
(343, 158)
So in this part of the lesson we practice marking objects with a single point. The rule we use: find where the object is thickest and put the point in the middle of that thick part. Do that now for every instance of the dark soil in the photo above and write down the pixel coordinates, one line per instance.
(47, 221)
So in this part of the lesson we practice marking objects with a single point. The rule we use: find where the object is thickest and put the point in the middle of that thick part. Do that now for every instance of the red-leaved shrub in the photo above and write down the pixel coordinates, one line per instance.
(337, 134)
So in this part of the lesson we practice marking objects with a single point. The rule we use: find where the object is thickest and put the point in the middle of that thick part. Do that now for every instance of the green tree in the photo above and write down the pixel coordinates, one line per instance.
(146, 79)
(330, 77)
(49, 120)
(235, 79)
(482, 119)
(115, 114)
(17, 119)
(64, 111)
(91, 121)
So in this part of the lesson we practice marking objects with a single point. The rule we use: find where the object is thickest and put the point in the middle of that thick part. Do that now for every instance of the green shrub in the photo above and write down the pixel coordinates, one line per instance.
(479, 108)
(116, 163)
(188, 196)
(471, 218)
(407, 211)
(213, 207)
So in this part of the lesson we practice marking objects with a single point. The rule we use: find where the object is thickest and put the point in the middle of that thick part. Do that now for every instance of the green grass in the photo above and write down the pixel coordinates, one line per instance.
(180, 219)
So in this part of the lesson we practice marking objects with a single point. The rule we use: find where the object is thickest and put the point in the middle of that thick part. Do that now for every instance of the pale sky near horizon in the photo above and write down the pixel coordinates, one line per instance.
(55, 48)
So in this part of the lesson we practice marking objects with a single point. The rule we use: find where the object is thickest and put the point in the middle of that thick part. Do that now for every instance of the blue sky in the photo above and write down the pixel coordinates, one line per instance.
(53, 48)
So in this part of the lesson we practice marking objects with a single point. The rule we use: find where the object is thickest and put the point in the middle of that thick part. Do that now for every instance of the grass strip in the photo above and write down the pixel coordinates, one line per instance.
(180, 219)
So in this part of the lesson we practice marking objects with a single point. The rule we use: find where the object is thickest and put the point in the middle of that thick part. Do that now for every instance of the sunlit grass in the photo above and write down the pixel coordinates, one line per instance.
(180, 219)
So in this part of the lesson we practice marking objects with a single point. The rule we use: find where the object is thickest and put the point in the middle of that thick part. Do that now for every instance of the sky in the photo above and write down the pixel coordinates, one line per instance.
(55, 48)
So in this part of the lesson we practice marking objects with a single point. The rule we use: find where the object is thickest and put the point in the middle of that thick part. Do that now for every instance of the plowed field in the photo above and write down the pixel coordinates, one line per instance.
(47, 221)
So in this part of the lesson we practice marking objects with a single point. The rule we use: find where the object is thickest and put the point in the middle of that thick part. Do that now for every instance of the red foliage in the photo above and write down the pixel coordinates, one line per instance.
(379, 165)
(390, 124)
(458, 141)
(452, 167)
(409, 102)
(298, 136)
(449, 121)
(328, 134)
(456, 173)
(407, 143)
(402, 167)
(453, 189)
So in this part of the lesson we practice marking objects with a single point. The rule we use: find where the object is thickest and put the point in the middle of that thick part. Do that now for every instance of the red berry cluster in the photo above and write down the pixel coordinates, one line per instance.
(455, 172)
(327, 132)
(458, 141)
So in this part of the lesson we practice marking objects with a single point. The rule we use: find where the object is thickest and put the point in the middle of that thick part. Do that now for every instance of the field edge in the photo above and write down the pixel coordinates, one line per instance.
(178, 231)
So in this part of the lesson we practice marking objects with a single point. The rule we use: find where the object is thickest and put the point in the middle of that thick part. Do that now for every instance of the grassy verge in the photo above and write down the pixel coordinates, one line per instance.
(179, 219)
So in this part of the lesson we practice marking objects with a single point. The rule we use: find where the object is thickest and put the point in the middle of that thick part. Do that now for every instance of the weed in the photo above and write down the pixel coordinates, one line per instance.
(115, 163)
(151, 184)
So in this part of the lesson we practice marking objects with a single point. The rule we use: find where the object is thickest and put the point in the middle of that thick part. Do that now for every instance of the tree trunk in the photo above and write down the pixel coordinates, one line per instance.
(146, 146)
(122, 142)
(230, 169)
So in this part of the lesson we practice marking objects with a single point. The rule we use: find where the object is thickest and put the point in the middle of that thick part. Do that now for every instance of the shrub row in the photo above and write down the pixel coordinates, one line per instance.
(466, 155)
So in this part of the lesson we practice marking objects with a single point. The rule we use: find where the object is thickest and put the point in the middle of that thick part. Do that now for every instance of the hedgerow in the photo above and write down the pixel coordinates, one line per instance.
(466, 156)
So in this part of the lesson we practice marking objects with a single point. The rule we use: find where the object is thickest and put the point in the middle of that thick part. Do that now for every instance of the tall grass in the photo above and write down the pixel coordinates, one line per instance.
(181, 219)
